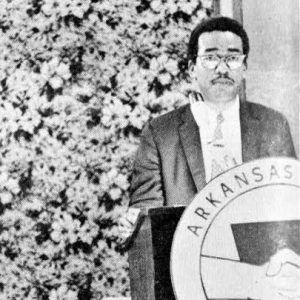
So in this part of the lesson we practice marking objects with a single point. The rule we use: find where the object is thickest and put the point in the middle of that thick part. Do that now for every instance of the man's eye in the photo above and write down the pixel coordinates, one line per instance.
(210, 58)
(232, 58)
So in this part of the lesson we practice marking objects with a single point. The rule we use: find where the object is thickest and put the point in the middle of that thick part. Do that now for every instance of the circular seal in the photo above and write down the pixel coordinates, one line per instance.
(239, 237)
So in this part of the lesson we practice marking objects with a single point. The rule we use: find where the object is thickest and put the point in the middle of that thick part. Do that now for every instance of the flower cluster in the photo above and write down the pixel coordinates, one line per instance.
(78, 81)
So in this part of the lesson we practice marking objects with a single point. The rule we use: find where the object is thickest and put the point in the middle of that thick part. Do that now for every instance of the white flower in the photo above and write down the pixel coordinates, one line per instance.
(78, 12)
(93, 18)
(207, 3)
(121, 181)
(115, 193)
(56, 233)
(45, 71)
(172, 67)
(123, 122)
(83, 89)
(43, 133)
(47, 9)
(53, 295)
(106, 120)
(28, 126)
(71, 295)
(3, 178)
(12, 185)
(35, 204)
(188, 8)
(63, 71)
(61, 291)
(156, 5)
(53, 63)
(164, 78)
(154, 64)
(162, 59)
(56, 82)
(104, 182)
(172, 8)
(139, 116)
(5, 197)
(200, 15)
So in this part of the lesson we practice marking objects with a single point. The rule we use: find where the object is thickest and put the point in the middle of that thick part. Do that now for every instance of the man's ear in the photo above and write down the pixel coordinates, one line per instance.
(245, 64)
(191, 68)
(245, 67)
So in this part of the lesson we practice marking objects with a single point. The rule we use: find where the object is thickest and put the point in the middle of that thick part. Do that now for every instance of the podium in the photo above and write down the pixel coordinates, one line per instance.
(149, 254)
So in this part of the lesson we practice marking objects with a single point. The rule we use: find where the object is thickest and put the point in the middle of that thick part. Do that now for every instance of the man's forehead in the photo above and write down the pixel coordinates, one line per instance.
(220, 40)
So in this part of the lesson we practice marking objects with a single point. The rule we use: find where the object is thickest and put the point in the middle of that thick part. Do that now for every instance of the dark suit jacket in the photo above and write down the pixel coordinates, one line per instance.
(169, 168)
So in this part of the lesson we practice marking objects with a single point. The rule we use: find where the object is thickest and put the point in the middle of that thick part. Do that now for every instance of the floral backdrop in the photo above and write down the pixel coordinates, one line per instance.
(78, 80)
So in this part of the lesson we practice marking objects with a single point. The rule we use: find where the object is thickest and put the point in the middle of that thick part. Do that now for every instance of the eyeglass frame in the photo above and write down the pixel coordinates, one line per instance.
(222, 58)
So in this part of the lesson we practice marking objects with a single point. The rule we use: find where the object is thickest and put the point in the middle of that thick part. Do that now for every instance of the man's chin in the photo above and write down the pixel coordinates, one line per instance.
(224, 91)
(224, 94)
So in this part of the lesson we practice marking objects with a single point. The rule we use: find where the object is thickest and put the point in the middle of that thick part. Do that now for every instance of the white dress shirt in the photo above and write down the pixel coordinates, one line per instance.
(231, 152)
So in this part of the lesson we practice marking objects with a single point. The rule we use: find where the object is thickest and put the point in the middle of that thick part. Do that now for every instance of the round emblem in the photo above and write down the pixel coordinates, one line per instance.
(239, 237)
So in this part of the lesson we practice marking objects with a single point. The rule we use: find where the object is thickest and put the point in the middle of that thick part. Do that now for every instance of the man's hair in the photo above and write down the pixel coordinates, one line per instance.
(216, 24)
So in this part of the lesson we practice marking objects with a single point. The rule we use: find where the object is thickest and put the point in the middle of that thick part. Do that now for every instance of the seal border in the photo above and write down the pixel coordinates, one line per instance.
(263, 161)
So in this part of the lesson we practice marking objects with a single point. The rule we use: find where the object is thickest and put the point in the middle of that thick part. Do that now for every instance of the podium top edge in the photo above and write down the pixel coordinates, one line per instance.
(164, 210)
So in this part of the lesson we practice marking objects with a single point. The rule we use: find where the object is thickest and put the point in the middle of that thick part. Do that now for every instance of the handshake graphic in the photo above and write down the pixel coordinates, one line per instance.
(269, 265)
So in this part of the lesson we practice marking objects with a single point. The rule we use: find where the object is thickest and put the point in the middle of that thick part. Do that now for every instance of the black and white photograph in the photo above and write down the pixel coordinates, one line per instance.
(149, 150)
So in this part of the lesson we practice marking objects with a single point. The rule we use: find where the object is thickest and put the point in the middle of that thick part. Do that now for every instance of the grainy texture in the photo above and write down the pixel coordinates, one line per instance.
(78, 80)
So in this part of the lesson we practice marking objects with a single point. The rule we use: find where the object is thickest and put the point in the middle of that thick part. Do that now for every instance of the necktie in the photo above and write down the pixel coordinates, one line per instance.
(222, 159)
(218, 135)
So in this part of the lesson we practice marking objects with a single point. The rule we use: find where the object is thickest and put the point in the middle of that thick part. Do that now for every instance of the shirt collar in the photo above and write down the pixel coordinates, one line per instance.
(208, 110)
(205, 115)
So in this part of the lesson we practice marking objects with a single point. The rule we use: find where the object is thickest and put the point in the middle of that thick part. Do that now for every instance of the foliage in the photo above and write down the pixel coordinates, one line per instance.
(78, 80)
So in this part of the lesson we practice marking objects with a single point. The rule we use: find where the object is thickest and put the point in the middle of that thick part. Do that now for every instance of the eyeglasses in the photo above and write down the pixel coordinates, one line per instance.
(211, 61)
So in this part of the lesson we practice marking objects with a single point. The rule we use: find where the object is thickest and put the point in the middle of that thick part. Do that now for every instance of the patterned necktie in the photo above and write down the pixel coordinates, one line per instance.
(218, 135)
(222, 159)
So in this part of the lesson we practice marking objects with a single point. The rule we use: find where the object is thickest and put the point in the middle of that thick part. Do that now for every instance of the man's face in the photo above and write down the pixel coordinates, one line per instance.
(221, 84)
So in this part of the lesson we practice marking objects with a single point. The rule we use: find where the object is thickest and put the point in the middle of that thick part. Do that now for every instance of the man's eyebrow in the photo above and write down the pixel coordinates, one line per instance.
(237, 50)
(234, 50)
(211, 49)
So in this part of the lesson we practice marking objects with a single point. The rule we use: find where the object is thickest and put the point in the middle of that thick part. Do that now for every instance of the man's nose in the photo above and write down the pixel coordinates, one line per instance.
(222, 67)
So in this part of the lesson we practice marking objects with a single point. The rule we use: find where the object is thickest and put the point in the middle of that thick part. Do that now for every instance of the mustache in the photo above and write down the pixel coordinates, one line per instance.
(223, 76)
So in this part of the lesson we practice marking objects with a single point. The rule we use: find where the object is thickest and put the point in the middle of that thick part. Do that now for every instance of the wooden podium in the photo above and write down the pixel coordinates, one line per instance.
(149, 254)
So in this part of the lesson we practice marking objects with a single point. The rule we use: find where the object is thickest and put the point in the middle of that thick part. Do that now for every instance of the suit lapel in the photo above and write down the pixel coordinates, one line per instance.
(250, 133)
(189, 135)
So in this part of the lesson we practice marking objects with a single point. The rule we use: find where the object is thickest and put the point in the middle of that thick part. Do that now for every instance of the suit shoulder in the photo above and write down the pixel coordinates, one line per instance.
(163, 129)
(169, 119)
(263, 112)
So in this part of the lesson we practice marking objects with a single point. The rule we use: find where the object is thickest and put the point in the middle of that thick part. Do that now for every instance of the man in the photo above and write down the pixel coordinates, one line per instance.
(182, 150)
